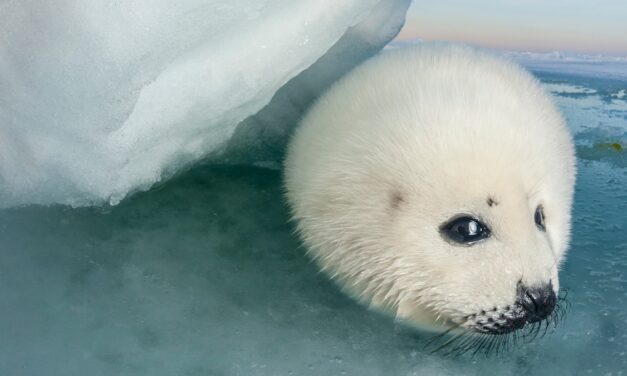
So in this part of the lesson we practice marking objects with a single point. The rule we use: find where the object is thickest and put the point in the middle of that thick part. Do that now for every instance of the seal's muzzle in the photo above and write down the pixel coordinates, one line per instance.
(537, 302)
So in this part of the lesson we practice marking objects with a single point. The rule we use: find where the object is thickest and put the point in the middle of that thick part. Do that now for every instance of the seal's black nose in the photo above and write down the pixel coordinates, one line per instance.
(537, 302)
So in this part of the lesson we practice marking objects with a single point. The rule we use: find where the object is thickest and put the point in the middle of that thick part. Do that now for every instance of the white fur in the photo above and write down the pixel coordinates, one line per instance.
(408, 140)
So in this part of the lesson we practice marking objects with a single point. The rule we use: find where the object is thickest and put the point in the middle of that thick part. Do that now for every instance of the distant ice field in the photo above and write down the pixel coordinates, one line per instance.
(595, 109)
(202, 275)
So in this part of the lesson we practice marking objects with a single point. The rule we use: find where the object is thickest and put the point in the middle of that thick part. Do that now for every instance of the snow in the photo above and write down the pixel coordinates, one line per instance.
(100, 99)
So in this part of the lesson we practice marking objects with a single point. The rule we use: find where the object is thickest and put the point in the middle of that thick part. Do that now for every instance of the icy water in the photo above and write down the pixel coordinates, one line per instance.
(203, 276)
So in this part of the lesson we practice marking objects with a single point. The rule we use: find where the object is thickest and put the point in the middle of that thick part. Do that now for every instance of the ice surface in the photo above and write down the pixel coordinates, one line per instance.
(203, 276)
(596, 112)
(605, 66)
(102, 98)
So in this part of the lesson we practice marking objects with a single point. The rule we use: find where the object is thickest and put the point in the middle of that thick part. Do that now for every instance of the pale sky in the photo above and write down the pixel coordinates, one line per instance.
(531, 25)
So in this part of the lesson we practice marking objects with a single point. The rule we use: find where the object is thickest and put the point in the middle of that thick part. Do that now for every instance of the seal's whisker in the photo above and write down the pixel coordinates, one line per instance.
(483, 333)
(536, 330)
(547, 322)
(486, 344)
(451, 341)
(436, 337)
(486, 338)
(476, 344)
(507, 341)
(502, 342)
(468, 343)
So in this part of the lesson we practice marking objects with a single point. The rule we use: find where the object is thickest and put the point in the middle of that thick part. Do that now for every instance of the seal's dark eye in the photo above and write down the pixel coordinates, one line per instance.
(539, 218)
(464, 230)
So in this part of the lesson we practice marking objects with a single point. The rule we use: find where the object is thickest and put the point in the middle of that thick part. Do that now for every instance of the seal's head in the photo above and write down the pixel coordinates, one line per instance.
(435, 183)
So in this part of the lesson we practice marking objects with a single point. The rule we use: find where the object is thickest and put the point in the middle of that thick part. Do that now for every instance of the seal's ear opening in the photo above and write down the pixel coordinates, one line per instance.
(539, 218)
(464, 230)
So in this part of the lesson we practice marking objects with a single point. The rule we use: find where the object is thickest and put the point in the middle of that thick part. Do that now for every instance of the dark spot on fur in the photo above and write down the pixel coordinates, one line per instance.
(490, 201)
(396, 200)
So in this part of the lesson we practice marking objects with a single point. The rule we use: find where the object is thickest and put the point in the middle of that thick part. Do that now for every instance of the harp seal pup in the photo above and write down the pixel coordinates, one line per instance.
(434, 183)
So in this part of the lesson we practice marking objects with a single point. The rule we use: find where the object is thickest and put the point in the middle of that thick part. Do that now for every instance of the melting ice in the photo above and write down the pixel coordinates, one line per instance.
(99, 99)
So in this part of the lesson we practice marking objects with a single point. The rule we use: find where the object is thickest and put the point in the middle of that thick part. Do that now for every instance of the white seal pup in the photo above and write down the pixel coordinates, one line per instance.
(435, 183)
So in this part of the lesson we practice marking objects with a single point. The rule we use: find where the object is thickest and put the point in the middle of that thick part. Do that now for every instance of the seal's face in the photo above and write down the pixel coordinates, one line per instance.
(487, 258)
(531, 304)
(435, 184)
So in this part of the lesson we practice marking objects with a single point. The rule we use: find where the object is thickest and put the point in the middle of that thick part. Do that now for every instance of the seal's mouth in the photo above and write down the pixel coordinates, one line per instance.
(533, 305)
(499, 328)
(497, 321)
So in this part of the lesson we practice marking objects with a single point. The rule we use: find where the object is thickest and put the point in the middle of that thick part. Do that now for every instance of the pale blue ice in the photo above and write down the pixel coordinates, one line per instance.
(202, 275)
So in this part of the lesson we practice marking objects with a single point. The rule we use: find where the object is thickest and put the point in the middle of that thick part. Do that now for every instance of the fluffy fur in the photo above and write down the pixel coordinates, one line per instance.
(407, 141)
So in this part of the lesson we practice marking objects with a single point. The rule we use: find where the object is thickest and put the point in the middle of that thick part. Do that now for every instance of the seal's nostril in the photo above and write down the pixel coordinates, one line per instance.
(537, 302)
